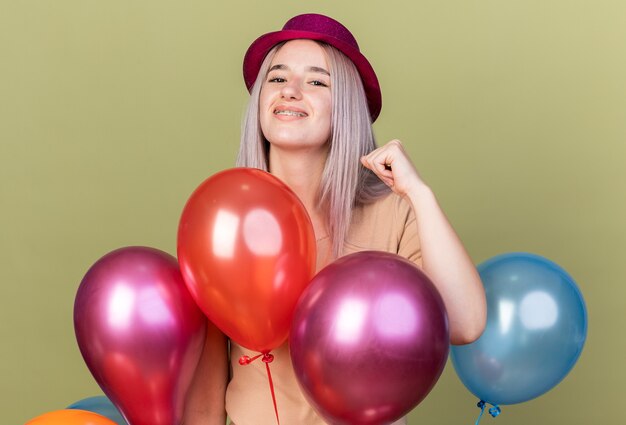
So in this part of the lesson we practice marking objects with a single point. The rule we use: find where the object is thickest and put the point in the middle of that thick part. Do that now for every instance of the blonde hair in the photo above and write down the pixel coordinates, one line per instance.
(345, 183)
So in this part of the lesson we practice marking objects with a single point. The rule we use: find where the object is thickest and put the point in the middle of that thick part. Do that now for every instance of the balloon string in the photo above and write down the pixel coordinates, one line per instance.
(267, 359)
(482, 410)
(493, 411)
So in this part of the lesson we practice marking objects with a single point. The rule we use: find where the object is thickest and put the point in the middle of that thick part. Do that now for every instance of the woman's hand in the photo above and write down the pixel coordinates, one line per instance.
(392, 165)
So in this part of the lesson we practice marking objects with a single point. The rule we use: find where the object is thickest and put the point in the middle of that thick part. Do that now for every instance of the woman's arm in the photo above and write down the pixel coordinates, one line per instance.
(444, 258)
(205, 398)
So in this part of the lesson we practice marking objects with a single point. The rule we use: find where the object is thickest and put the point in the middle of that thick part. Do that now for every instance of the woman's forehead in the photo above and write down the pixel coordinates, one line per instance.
(306, 53)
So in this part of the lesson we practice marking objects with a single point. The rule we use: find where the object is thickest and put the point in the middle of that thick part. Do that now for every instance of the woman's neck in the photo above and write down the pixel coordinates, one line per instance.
(302, 172)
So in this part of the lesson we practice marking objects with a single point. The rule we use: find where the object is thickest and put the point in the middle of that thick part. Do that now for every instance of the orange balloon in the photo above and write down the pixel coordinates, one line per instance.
(70, 417)
(246, 249)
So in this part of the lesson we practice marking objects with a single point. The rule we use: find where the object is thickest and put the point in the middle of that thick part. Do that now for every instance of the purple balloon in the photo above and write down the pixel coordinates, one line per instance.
(369, 339)
(140, 333)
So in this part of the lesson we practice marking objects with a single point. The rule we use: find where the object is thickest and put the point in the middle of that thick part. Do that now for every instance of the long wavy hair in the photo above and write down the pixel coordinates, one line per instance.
(345, 183)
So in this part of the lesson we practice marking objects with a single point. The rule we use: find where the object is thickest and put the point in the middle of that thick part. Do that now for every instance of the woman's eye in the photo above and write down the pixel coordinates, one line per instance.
(276, 80)
(318, 83)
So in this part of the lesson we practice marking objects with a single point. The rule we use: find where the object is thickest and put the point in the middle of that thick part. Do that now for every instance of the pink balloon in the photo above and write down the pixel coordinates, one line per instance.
(369, 339)
(140, 333)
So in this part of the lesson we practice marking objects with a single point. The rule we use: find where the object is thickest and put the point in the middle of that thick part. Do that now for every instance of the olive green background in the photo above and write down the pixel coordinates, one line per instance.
(112, 112)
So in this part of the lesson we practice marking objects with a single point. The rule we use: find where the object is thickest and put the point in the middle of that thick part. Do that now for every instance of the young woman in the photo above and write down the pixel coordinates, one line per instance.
(313, 98)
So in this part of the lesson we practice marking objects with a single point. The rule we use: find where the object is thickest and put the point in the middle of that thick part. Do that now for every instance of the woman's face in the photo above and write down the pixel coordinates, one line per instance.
(295, 102)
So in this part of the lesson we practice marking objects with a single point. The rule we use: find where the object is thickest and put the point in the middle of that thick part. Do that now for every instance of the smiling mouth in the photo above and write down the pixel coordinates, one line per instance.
(289, 113)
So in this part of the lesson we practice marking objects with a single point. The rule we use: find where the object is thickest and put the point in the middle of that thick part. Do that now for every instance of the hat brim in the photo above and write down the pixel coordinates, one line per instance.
(262, 45)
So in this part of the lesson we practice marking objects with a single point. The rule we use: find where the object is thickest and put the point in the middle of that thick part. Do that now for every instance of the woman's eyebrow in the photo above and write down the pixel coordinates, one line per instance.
(310, 69)
(277, 66)
(318, 69)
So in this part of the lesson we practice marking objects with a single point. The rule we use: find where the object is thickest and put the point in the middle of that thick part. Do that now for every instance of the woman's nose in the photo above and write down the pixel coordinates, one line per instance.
(291, 90)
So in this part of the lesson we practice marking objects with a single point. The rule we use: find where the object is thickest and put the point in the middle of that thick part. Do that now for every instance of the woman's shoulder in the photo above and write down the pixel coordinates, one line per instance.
(390, 206)
(379, 224)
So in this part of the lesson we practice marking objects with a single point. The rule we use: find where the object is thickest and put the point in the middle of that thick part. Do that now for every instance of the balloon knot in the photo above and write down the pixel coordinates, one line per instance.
(246, 360)
(268, 358)
(495, 411)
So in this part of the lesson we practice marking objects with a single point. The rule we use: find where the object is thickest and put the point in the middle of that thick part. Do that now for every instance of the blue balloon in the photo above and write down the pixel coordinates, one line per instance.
(536, 329)
(101, 405)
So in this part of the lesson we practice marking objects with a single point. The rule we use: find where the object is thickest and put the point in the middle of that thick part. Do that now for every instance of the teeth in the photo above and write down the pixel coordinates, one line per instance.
(290, 113)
